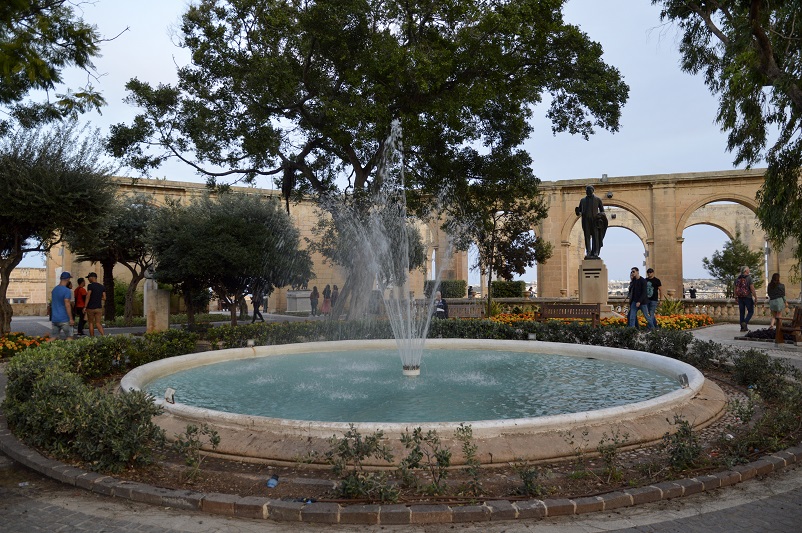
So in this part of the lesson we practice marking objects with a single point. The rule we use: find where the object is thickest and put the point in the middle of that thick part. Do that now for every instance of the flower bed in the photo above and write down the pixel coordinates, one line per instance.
(15, 342)
(678, 322)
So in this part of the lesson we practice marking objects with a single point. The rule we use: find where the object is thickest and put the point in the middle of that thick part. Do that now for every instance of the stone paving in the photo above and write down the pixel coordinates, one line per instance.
(31, 502)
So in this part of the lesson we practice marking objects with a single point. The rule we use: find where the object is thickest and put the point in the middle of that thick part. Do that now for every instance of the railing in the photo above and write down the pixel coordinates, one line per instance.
(721, 309)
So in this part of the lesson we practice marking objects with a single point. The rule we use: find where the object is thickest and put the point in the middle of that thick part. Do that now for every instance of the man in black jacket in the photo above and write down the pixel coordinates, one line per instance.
(638, 299)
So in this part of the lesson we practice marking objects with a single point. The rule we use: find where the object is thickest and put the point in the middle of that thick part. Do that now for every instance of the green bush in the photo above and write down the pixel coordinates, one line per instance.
(768, 375)
(449, 288)
(507, 289)
(65, 417)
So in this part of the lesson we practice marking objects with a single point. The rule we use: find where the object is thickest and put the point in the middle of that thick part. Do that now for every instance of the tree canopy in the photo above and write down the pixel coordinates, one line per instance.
(235, 243)
(53, 183)
(725, 265)
(306, 92)
(121, 238)
(38, 40)
(499, 208)
(750, 56)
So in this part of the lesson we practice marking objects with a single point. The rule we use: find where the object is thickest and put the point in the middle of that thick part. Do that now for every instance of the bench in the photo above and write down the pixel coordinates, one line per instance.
(590, 312)
(793, 328)
(469, 309)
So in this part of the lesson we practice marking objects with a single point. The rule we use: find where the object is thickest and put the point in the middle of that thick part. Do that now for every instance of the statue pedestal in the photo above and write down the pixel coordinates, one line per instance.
(593, 286)
(157, 307)
(592, 282)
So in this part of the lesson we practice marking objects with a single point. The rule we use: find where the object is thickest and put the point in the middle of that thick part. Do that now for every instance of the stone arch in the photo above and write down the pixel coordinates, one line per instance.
(726, 230)
(749, 203)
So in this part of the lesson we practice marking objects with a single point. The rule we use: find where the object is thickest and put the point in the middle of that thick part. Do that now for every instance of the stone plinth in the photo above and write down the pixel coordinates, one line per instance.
(298, 301)
(157, 307)
(593, 282)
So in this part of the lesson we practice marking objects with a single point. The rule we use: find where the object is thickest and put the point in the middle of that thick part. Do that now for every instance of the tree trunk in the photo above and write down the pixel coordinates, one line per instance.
(129, 298)
(6, 311)
(188, 301)
(108, 282)
(7, 266)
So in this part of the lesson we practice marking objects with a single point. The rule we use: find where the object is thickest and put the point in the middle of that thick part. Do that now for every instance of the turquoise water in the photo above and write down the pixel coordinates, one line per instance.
(454, 386)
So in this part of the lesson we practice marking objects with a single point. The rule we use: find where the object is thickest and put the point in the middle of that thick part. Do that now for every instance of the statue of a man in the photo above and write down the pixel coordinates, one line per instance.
(594, 222)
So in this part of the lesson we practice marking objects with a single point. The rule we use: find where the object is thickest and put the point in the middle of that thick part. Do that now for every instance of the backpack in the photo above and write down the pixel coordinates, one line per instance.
(742, 287)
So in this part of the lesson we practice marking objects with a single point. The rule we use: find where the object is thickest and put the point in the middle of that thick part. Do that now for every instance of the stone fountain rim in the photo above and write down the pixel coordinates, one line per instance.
(140, 376)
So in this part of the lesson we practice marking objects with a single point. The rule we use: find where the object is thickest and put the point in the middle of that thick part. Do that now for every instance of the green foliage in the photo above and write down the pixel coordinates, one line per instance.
(508, 289)
(234, 243)
(190, 443)
(530, 478)
(726, 264)
(70, 419)
(121, 237)
(682, 447)
(747, 53)
(449, 288)
(38, 40)
(54, 181)
(669, 342)
(705, 355)
(497, 211)
(579, 445)
(311, 114)
(464, 434)
(347, 455)
(608, 449)
(670, 306)
(769, 376)
(427, 453)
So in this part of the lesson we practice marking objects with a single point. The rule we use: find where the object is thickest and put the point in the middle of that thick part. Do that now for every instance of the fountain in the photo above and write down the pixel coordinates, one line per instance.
(380, 231)
(505, 435)
(380, 236)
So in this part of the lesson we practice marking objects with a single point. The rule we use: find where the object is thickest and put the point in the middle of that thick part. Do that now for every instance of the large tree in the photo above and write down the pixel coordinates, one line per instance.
(120, 239)
(53, 182)
(306, 93)
(38, 40)
(499, 208)
(725, 265)
(235, 243)
(749, 54)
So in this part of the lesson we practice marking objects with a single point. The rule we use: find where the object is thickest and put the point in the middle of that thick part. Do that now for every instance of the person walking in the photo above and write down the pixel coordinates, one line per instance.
(746, 296)
(61, 316)
(335, 294)
(654, 292)
(777, 301)
(256, 301)
(314, 298)
(80, 305)
(95, 298)
(638, 299)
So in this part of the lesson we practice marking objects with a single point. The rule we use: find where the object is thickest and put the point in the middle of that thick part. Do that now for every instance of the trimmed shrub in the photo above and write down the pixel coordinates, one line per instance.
(507, 289)
(449, 288)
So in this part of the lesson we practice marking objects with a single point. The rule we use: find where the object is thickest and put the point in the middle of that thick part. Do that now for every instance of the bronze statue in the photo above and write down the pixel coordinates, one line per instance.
(594, 222)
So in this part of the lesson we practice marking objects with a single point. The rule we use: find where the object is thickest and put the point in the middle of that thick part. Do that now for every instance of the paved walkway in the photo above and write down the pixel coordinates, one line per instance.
(31, 503)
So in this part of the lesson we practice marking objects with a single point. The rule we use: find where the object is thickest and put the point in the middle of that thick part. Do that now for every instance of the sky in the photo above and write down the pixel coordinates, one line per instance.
(667, 126)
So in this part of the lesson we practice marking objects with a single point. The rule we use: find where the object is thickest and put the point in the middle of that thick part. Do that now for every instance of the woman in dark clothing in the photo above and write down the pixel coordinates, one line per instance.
(314, 298)
(777, 302)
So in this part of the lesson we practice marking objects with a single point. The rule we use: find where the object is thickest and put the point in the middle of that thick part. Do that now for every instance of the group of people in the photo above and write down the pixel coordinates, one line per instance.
(644, 295)
(84, 304)
(330, 296)
(745, 294)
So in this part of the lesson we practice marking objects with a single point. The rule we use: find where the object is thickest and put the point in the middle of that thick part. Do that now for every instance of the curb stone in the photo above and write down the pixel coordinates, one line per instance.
(333, 513)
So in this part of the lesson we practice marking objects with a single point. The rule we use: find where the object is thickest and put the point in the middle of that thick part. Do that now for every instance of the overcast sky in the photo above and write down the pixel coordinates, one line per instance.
(667, 125)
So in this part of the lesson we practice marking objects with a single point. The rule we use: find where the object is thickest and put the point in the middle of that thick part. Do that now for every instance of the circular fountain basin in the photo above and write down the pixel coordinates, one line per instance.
(500, 440)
